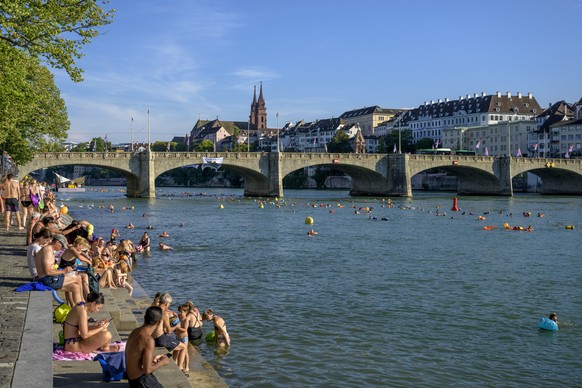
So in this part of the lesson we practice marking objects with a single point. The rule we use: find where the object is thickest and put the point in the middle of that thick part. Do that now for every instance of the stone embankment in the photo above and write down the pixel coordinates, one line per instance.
(27, 331)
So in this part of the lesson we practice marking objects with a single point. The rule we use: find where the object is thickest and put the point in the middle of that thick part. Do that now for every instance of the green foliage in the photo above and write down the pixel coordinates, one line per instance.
(340, 143)
(54, 30)
(387, 142)
(97, 144)
(295, 180)
(424, 144)
(320, 176)
(204, 146)
(33, 114)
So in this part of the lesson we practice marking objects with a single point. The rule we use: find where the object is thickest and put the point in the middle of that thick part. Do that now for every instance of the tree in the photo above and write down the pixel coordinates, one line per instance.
(395, 138)
(340, 143)
(204, 146)
(33, 114)
(424, 144)
(54, 30)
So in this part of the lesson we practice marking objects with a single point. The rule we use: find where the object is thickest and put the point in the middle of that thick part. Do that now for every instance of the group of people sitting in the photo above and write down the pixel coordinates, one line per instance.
(169, 329)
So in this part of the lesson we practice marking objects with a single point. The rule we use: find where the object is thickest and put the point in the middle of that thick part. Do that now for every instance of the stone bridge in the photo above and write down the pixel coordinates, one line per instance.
(372, 174)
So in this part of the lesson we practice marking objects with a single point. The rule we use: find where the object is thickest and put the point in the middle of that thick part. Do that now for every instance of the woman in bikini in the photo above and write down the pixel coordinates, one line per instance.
(77, 251)
(221, 335)
(79, 336)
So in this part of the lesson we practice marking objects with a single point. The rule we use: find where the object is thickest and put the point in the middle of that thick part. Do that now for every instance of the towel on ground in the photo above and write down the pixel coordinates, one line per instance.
(33, 286)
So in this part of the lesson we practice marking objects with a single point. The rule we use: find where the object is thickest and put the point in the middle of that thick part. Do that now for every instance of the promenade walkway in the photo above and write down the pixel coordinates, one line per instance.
(27, 332)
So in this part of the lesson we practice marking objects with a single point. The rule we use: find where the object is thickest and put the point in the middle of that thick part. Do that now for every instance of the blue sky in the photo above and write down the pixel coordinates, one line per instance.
(190, 59)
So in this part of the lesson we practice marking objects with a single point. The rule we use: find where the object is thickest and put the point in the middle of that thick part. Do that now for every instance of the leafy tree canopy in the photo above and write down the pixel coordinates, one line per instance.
(395, 138)
(425, 143)
(97, 144)
(204, 146)
(32, 112)
(54, 30)
(340, 143)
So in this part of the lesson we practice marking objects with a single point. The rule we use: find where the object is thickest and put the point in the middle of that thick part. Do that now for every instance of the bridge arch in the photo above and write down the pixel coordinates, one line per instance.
(559, 176)
(119, 162)
(368, 171)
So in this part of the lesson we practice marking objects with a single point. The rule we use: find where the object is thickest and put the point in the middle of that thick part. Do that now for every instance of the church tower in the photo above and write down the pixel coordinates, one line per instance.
(258, 117)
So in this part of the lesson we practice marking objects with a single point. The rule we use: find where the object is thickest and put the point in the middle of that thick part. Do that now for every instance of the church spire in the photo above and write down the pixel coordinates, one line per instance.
(261, 99)
(258, 116)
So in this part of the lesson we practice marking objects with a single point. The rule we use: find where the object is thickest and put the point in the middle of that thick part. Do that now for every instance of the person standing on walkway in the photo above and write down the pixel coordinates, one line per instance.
(11, 191)
(139, 352)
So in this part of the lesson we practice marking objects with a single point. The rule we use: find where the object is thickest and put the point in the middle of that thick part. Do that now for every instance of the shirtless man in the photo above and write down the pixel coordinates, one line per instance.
(167, 326)
(165, 247)
(11, 192)
(57, 278)
(139, 352)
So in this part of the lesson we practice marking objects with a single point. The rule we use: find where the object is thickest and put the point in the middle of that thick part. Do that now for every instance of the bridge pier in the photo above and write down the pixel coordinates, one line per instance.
(398, 176)
(270, 182)
(143, 184)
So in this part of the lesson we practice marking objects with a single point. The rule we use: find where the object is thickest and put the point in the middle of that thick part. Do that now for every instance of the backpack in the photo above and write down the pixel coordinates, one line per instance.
(61, 312)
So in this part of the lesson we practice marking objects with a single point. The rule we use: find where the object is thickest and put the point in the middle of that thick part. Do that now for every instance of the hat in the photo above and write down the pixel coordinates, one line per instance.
(62, 239)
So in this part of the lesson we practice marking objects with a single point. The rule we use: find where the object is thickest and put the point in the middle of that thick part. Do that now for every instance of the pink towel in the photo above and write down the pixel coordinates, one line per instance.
(60, 354)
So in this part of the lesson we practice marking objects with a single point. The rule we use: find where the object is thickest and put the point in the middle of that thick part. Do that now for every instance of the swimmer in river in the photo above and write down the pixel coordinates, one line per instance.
(164, 234)
(311, 233)
(130, 226)
(165, 247)
(554, 317)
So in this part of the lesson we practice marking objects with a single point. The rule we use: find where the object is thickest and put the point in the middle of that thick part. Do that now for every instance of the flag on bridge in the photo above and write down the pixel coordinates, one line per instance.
(394, 150)
(486, 152)
(518, 153)
(436, 143)
(478, 144)
(536, 147)
(567, 154)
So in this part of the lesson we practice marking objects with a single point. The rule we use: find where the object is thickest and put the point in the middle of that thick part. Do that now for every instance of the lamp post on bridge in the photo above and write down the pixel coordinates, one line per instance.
(278, 146)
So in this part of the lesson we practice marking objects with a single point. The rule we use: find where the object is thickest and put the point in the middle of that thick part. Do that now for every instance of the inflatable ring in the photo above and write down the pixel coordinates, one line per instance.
(547, 324)
(210, 337)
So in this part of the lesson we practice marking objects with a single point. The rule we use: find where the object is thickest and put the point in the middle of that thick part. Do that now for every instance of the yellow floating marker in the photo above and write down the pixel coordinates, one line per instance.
(261, 206)
(309, 220)
(221, 206)
(570, 227)
(64, 209)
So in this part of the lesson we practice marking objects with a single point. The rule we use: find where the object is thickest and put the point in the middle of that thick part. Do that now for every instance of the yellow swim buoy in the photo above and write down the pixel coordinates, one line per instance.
(64, 209)
(506, 226)
(570, 227)
(309, 220)
(221, 206)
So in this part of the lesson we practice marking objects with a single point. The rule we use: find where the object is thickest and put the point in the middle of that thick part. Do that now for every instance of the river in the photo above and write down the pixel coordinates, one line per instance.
(419, 299)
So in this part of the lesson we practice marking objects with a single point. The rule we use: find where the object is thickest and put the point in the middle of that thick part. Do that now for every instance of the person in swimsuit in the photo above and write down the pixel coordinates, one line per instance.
(182, 336)
(139, 352)
(25, 201)
(165, 247)
(195, 327)
(78, 251)
(44, 262)
(220, 333)
(11, 193)
(145, 242)
(79, 336)
(554, 317)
